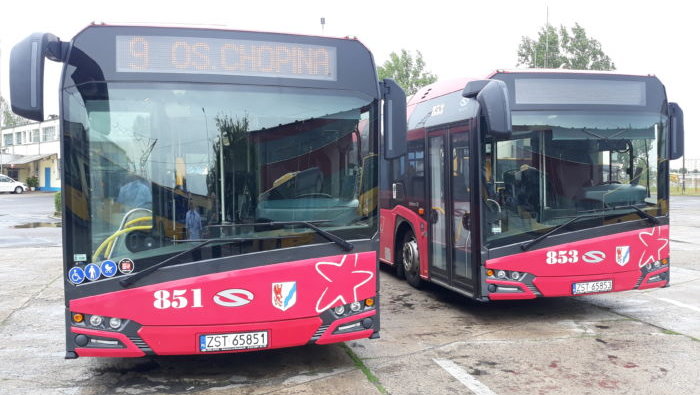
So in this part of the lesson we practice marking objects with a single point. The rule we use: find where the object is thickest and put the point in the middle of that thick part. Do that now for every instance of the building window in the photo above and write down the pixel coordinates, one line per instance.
(18, 138)
(7, 139)
(49, 133)
(35, 136)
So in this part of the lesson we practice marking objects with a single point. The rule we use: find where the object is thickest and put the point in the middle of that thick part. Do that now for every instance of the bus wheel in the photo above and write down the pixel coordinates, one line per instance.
(410, 260)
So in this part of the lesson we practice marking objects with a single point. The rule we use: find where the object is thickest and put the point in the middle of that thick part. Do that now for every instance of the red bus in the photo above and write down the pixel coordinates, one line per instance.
(534, 184)
(219, 187)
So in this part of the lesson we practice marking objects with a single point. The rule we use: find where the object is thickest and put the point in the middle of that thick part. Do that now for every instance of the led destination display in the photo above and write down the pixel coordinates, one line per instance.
(195, 55)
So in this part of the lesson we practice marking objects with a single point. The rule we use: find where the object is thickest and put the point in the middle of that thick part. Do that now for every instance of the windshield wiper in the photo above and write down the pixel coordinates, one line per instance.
(345, 245)
(652, 220)
(526, 246)
(126, 281)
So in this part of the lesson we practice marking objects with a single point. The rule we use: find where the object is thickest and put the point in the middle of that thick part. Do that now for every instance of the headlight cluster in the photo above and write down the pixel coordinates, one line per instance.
(354, 307)
(656, 265)
(95, 321)
(506, 275)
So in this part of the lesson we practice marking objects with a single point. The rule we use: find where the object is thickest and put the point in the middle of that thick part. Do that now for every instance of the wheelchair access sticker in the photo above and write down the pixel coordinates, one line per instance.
(76, 275)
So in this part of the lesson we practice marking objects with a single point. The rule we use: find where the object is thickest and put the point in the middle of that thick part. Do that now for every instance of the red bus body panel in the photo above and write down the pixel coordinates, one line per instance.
(321, 284)
(387, 242)
(618, 257)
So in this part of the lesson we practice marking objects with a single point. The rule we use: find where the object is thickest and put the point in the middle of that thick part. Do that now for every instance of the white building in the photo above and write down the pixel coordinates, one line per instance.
(32, 150)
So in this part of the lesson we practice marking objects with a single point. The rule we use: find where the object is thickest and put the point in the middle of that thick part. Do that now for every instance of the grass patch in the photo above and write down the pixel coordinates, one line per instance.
(365, 370)
(674, 333)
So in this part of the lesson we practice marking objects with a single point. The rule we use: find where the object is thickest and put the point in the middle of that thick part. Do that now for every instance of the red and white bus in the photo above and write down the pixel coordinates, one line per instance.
(219, 187)
(534, 184)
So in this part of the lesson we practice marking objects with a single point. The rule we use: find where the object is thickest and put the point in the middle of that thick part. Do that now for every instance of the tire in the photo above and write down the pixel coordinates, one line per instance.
(19, 190)
(410, 260)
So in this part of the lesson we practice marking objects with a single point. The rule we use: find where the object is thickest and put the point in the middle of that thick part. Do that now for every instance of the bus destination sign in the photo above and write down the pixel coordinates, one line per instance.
(196, 55)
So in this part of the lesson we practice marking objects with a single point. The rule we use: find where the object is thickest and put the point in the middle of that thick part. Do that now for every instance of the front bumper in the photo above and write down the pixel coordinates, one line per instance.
(534, 287)
(139, 341)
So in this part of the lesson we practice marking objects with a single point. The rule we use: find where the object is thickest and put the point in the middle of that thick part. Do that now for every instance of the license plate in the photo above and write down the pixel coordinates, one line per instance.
(233, 341)
(592, 287)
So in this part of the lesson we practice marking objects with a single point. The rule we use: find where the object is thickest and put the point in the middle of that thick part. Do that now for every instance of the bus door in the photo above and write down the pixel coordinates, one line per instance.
(460, 192)
(449, 195)
(437, 196)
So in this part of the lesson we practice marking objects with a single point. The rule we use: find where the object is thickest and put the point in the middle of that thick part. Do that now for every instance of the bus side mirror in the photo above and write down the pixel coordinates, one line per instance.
(492, 96)
(676, 131)
(27, 73)
(394, 119)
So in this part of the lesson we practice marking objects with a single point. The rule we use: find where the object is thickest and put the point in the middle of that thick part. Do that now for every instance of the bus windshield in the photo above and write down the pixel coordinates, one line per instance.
(559, 165)
(155, 167)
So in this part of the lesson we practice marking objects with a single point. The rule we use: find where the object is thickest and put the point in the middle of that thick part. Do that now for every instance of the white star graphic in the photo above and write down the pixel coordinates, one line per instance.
(652, 240)
(340, 278)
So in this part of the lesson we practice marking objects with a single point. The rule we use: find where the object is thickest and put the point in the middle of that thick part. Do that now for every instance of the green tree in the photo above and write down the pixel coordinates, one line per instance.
(563, 49)
(9, 119)
(407, 71)
(545, 52)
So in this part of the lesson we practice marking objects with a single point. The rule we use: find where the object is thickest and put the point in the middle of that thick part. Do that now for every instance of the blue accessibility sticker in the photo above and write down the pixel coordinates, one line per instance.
(108, 268)
(92, 272)
(76, 275)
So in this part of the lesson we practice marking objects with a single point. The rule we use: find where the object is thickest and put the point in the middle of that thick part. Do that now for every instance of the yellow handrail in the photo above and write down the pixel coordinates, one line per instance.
(113, 236)
(110, 247)
(140, 219)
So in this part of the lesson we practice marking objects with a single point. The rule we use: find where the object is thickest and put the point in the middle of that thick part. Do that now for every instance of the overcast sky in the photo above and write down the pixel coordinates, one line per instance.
(457, 39)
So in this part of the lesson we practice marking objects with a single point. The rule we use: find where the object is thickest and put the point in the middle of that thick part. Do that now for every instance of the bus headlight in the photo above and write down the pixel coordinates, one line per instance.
(95, 320)
(508, 275)
(339, 310)
(355, 306)
(115, 323)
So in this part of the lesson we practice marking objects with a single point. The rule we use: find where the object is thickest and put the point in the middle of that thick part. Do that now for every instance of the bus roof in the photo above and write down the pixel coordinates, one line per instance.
(441, 88)
(337, 63)
(210, 27)
(564, 71)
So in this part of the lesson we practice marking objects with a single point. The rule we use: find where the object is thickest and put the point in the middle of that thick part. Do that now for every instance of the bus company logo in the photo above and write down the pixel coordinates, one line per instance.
(594, 256)
(233, 297)
(622, 255)
(284, 295)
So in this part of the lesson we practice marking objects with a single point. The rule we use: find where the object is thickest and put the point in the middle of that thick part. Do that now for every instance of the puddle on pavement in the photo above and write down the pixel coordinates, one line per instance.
(39, 225)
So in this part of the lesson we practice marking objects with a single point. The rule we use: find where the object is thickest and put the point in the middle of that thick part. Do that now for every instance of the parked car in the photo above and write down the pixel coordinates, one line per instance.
(7, 184)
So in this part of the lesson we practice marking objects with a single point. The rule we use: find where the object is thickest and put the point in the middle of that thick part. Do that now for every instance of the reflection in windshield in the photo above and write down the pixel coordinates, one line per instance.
(155, 165)
(561, 165)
